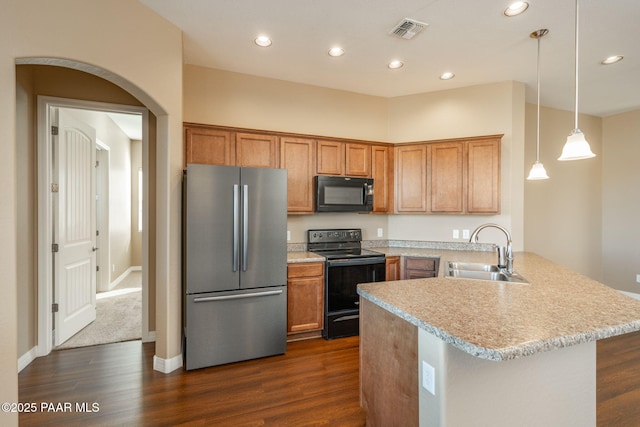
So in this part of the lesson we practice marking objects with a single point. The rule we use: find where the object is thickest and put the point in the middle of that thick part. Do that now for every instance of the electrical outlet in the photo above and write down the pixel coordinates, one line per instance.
(465, 234)
(638, 278)
(456, 234)
(379, 232)
(428, 378)
(288, 235)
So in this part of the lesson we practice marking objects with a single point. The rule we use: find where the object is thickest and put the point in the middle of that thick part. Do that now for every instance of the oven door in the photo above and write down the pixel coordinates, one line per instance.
(341, 296)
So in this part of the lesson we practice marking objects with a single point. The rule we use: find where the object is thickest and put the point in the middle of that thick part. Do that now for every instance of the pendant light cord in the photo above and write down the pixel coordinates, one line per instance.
(576, 67)
(538, 114)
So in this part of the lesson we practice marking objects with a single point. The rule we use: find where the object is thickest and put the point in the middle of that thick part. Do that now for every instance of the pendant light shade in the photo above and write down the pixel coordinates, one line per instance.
(537, 170)
(576, 147)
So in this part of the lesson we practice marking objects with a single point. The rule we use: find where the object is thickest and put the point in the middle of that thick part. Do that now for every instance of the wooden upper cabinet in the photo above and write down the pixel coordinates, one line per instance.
(382, 174)
(483, 179)
(256, 150)
(446, 177)
(357, 159)
(297, 156)
(411, 178)
(330, 157)
(208, 146)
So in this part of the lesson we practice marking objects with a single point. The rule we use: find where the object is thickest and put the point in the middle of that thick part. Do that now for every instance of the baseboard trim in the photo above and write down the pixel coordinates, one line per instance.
(631, 294)
(27, 358)
(121, 277)
(167, 365)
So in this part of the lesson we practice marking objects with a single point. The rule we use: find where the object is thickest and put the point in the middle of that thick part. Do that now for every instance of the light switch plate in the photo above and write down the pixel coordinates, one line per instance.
(638, 278)
(288, 235)
(428, 378)
(379, 232)
(456, 234)
(465, 234)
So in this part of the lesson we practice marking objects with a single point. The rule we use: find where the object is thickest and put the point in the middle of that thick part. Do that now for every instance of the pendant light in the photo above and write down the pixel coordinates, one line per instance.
(537, 170)
(576, 147)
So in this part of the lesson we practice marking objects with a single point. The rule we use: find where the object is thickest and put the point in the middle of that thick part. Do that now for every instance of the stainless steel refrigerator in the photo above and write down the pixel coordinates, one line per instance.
(234, 264)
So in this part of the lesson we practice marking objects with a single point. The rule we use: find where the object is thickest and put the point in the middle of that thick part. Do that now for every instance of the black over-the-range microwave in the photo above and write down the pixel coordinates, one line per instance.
(343, 194)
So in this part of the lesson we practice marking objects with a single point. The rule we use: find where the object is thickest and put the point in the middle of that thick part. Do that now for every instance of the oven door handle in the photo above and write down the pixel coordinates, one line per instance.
(345, 318)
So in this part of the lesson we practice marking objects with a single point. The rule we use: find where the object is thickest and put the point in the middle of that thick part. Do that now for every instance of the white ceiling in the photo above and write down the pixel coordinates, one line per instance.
(471, 38)
(131, 124)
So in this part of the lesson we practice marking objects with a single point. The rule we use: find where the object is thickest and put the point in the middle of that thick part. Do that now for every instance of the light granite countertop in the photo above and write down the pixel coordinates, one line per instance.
(303, 256)
(502, 321)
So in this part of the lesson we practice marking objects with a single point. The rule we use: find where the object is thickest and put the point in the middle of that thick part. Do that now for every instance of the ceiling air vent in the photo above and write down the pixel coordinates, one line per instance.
(408, 28)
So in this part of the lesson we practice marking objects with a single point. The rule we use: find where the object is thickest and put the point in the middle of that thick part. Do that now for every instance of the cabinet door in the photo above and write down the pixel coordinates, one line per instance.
(357, 159)
(255, 150)
(297, 156)
(305, 292)
(446, 177)
(411, 178)
(330, 158)
(392, 268)
(208, 146)
(382, 174)
(483, 179)
(420, 267)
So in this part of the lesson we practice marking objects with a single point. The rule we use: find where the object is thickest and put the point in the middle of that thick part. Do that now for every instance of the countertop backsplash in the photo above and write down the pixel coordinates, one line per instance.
(372, 244)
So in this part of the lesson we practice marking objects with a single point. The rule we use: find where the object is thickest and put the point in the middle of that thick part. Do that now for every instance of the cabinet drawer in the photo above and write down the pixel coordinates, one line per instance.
(305, 269)
(428, 264)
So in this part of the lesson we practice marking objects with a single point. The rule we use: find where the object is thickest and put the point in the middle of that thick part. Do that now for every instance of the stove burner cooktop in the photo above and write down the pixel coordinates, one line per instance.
(339, 244)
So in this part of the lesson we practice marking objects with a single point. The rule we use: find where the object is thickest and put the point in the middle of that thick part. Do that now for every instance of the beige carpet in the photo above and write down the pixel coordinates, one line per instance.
(118, 316)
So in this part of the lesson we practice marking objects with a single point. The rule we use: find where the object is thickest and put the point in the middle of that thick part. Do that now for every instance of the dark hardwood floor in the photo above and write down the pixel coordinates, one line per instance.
(314, 384)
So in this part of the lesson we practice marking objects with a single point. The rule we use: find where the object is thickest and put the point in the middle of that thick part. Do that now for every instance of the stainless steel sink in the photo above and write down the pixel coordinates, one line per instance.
(477, 271)
(472, 266)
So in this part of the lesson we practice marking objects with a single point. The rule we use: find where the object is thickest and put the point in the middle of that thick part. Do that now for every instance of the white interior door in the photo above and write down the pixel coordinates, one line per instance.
(74, 227)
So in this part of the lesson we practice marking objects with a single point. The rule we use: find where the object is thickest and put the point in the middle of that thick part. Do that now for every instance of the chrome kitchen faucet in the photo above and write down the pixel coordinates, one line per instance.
(505, 254)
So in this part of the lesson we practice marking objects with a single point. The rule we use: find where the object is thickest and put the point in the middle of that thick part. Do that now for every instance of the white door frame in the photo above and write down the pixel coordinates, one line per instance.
(45, 224)
(102, 215)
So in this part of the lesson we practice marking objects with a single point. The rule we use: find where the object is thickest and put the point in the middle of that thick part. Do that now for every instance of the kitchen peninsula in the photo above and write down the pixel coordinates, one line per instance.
(492, 353)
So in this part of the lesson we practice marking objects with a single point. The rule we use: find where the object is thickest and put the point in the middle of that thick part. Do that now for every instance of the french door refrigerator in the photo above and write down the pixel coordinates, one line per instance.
(234, 264)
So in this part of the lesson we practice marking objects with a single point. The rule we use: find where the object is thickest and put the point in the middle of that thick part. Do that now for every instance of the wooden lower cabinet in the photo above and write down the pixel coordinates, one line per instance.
(392, 266)
(305, 300)
(420, 267)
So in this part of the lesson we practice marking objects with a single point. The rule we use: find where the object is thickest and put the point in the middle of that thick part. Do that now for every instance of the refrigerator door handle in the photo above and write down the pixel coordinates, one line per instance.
(245, 225)
(240, 296)
(236, 226)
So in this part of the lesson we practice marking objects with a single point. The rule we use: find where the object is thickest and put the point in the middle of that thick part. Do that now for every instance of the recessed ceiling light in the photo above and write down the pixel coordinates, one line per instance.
(336, 51)
(263, 41)
(395, 64)
(447, 76)
(612, 60)
(516, 8)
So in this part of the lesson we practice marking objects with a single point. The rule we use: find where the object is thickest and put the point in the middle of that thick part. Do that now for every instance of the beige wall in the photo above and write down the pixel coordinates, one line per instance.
(88, 39)
(563, 214)
(477, 110)
(231, 99)
(621, 201)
